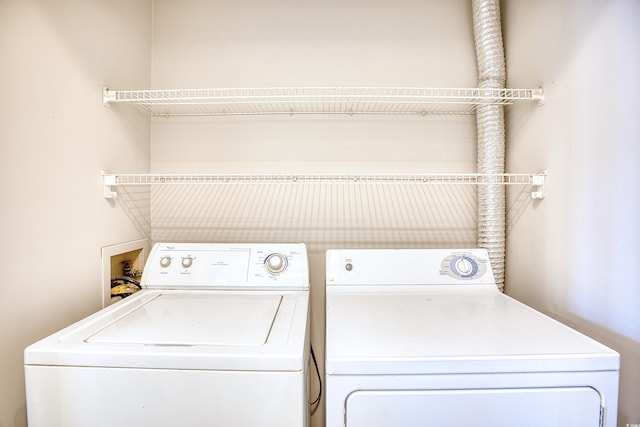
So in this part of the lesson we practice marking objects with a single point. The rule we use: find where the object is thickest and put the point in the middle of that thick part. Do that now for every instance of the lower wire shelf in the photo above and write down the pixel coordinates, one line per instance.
(322, 210)
(535, 180)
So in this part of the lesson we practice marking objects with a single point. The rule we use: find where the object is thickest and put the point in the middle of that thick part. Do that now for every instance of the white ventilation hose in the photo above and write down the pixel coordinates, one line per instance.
(491, 135)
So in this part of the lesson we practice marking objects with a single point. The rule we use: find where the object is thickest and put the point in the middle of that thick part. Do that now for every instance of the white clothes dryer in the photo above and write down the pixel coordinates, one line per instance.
(217, 337)
(424, 338)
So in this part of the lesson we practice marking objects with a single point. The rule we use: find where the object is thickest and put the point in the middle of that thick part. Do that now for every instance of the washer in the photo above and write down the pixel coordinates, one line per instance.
(424, 338)
(218, 336)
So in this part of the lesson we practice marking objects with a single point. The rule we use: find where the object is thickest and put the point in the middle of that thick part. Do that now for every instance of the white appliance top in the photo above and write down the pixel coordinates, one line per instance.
(202, 320)
(438, 311)
(195, 318)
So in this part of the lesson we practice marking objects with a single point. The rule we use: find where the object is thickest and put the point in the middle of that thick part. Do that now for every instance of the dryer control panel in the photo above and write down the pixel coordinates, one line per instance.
(463, 265)
(227, 266)
(408, 267)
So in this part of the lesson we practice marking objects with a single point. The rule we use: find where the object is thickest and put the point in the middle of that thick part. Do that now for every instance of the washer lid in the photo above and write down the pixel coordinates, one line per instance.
(430, 330)
(187, 319)
(174, 329)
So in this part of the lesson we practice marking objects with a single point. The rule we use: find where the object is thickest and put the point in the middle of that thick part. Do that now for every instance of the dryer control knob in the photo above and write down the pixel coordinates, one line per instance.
(276, 263)
(165, 261)
(464, 265)
(187, 262)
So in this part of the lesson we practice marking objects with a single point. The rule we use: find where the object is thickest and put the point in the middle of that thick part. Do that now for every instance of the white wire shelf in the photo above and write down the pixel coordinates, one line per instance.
(317, 100)
(535, 180)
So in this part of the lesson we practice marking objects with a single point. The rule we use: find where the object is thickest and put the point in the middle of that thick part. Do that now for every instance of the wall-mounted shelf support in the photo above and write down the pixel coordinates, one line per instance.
(536, 181)
(537, 185)
(110, 181)
(108, 96)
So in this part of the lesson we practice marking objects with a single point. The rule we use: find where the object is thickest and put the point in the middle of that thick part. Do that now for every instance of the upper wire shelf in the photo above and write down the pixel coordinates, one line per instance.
(535, 180)
(317, 100)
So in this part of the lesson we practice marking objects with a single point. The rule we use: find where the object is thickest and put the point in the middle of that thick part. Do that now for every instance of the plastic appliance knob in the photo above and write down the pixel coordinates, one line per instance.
(187, 262)
(276, 263)
(165, 261)
(464, 265)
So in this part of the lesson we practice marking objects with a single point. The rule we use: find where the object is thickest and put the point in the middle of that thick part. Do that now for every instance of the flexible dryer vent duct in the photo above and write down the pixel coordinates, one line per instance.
(491, 140)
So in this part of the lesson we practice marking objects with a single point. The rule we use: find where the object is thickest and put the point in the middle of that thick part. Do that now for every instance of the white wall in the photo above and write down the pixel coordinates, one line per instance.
(571, 255)
(574, 255)
(253, 43)
(55, 139)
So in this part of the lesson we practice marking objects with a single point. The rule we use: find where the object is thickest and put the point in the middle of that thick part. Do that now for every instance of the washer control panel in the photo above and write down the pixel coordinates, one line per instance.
(226, 266)
(408, 267)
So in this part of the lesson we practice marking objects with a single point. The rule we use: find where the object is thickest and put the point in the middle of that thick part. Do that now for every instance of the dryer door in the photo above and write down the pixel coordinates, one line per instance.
(528, 407)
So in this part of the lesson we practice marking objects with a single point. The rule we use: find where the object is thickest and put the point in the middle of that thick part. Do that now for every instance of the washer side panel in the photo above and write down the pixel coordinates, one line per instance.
(107, 397)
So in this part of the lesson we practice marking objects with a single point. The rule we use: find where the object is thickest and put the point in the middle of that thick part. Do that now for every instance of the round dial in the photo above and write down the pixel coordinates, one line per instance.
(187, 262)
(165, 261)
(465, 266)
(275, 263)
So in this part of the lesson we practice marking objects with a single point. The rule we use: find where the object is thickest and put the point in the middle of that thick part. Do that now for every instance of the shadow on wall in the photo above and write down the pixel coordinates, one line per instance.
(321, 215)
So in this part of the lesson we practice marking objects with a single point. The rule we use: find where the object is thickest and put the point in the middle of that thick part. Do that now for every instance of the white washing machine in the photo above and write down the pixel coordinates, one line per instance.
(424, 338)
(217, 337)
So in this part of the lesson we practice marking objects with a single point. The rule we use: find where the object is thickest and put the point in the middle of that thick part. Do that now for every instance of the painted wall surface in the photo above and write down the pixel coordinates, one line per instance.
(574, 255)
(253, 43)
(571, 255)
(55, 139)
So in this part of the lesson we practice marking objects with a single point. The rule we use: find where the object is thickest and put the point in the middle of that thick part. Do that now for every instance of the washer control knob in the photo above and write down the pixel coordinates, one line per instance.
(165, 261)
(275, 263)
(187, 262)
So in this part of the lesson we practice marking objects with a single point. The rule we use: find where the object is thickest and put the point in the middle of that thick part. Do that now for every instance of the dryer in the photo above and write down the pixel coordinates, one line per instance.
(218, 336)
(424, 338)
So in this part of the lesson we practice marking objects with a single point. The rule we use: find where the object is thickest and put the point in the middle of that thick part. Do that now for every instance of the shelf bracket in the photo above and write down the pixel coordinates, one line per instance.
(538, 95)
(108, 96)
(537, 185)
(109, 181)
